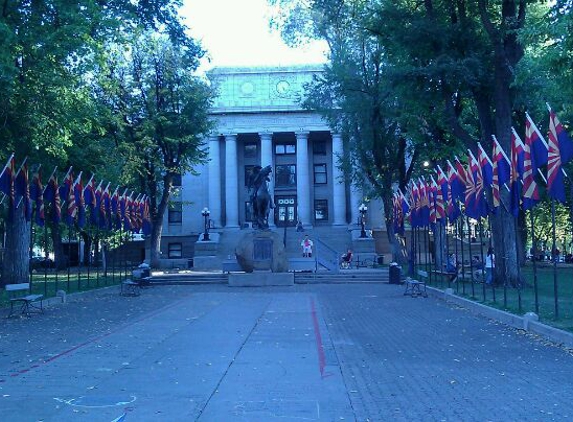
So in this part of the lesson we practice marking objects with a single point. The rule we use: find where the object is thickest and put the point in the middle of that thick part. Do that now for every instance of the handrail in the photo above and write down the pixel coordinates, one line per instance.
(329, 259)
(326, 246)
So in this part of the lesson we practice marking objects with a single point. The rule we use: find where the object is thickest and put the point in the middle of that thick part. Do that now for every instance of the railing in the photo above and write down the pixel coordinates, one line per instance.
(327, 257)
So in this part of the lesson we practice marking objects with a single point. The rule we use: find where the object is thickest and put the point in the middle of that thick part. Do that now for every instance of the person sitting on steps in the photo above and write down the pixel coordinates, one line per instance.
(306, 245)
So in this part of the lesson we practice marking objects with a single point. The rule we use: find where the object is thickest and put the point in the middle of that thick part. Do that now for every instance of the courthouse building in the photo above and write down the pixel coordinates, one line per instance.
(259, 121)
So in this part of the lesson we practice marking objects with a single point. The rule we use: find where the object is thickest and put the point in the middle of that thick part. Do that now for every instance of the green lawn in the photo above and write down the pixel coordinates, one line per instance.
(509, 299)
(48, 284)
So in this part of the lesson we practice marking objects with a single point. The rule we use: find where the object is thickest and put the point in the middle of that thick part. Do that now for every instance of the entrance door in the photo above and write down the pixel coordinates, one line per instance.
(285, 211)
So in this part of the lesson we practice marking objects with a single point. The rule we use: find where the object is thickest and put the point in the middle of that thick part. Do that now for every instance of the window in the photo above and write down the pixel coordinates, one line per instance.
(175, 212)
(250, 150)
(321, 209)
(320, 174)
(285, 175)
(283, 149)
(174, 250)
(248, 171)
(176, 180)
(319, 147)
(248, 211)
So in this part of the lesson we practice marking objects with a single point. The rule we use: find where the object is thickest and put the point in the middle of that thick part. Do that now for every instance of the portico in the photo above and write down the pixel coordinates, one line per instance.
(259, 121)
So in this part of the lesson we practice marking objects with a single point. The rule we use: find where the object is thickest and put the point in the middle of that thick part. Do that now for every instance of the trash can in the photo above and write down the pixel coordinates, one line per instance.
(395, 273)
(190, 263)
(380, 260)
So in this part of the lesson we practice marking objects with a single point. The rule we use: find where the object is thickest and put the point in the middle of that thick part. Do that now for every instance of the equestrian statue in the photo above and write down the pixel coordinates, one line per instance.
(261, 199)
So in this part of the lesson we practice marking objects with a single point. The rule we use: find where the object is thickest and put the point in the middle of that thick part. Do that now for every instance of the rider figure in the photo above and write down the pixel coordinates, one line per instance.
(258, 177)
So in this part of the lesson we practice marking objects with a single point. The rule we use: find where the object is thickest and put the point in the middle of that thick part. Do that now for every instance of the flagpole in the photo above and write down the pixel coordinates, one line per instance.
(555, 285)
(481, 258)
(490, 244)
(519, 281)
(461, 219)
(46, 257)
(471, 258)
(455, 262)
(69, 255)
(534, 246)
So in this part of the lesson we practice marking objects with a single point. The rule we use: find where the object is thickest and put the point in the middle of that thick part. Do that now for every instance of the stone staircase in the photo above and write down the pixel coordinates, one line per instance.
(320, 277)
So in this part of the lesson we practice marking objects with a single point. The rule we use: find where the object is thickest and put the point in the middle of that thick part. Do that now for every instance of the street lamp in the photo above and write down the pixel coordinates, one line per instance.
(205, 213)
(363, 209)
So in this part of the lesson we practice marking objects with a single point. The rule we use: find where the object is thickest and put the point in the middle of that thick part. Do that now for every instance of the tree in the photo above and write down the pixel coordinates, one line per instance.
(159, 116)
(453, 65)
(48, 50)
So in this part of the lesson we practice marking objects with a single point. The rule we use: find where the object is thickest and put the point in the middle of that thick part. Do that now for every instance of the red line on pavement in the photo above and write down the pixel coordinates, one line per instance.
(318, 337)
(93, 340)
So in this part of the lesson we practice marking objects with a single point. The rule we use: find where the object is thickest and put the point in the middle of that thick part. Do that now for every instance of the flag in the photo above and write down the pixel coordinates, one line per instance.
(432, 195)
(52, 195)
(560, 152)
(72, 208)
(7, 184)
(90, 199)
(424, 190)
(470, 193)
(107, 205)
(115, 209)
(67, 185)
(486, 166)
(414, 218)
(538, 146)
(146, 225)
(80, 201)
(530, 190)
(22, 189)
(501, 172)
(104, 216)
(441, 195)
(459, 183)
(516, 174)
(37, 196)
(127, 224)
(453, 180)
(481, 208)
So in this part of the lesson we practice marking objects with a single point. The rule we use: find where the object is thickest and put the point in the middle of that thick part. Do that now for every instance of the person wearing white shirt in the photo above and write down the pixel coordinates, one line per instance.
(489, 265)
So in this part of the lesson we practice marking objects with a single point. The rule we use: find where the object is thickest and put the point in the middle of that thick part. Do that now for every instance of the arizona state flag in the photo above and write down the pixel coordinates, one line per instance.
(560, 152)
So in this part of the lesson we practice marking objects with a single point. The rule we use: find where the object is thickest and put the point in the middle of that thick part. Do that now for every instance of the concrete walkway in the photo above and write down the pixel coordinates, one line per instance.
(305, 353)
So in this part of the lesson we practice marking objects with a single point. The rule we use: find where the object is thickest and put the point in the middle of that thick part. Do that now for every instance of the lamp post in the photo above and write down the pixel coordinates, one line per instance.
(205, 213)
(363, 209)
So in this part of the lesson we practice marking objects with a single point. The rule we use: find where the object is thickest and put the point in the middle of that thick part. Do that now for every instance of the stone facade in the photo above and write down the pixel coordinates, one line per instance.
(259, 121)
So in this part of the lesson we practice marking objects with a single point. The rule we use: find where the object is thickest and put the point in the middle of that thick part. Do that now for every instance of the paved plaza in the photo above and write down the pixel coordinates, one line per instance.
(340, 352)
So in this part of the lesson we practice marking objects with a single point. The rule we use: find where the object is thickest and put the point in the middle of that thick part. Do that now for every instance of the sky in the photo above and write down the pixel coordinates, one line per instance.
(237, 33)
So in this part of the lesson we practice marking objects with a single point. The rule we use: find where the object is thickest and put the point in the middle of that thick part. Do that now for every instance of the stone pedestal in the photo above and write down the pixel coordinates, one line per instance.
(206, 253)
(262, 250)
(363, 246)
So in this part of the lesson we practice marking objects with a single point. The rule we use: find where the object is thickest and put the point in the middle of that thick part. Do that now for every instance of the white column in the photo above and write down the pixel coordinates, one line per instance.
(267, 159)
(231, 182)
(338, 188)
(355, 201)
(214, 181)
(302, 178)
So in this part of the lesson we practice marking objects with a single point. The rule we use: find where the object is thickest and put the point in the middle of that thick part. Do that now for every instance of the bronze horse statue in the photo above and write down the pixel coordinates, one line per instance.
(261, 199)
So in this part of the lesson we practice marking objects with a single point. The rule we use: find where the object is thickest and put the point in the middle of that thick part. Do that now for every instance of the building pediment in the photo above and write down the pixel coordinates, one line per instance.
(260, 89)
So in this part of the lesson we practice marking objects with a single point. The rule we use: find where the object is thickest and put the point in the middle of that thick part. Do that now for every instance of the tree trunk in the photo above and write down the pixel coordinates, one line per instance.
(155, 248)
(104, 258)
(16, 268)
(397, 242)
(440, 246)
(59, 257)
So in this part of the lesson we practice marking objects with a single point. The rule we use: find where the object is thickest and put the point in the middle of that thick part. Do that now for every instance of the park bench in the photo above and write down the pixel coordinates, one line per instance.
(17, 294)
(132, 286)
(416, 288)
